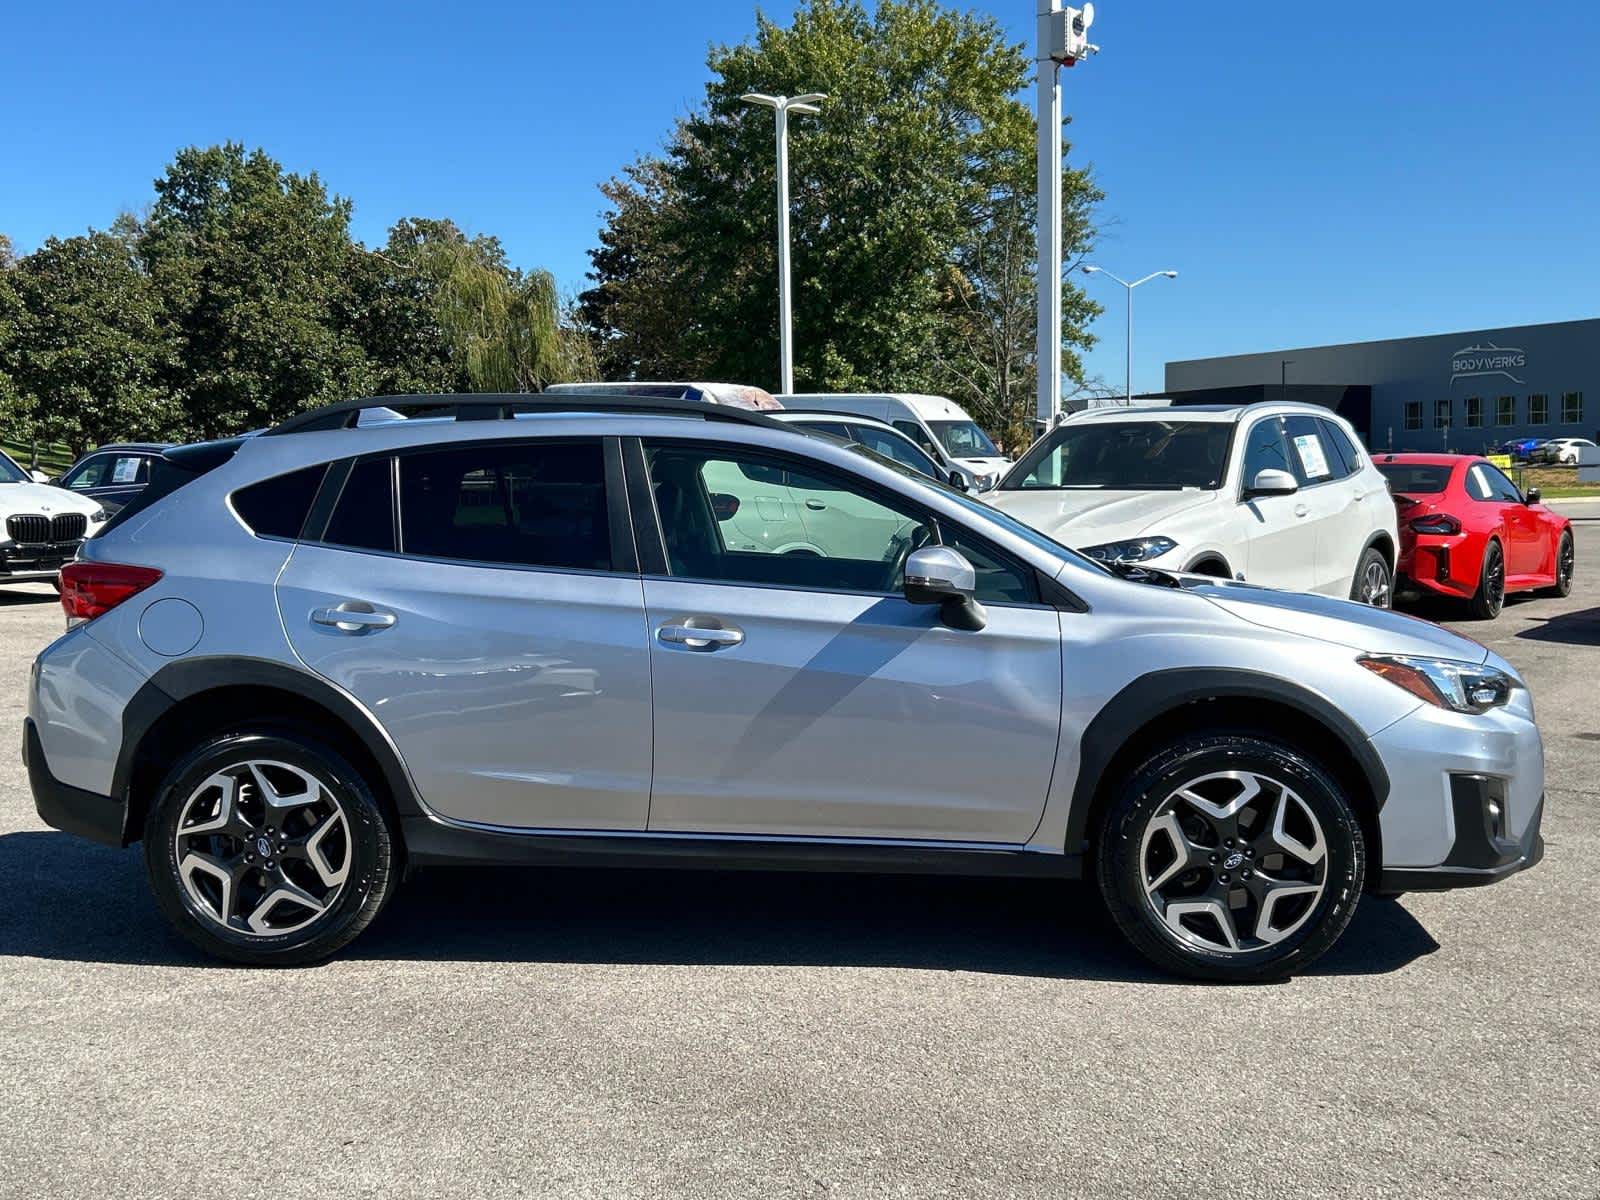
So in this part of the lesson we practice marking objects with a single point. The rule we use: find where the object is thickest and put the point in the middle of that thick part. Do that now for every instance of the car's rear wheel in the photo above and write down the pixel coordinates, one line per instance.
(1374, 580)
(1566, 556)
(1230, 857)
(269, 848)
(1490, 597)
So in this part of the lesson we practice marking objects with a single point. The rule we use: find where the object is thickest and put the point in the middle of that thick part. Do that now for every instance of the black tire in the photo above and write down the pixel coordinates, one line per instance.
(369, 856)
(1373, 582)
(1565, 563)
(1120, 865)
(1490, 597)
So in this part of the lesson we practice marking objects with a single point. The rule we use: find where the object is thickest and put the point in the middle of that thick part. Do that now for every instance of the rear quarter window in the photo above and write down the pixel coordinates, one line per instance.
(278, 507)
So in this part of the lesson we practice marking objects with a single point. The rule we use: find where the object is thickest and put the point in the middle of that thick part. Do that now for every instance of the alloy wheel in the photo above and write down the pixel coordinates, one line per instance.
(1494, 581)
(1376, 585)
(1564, 562)
(263, 848)
(1232, 862)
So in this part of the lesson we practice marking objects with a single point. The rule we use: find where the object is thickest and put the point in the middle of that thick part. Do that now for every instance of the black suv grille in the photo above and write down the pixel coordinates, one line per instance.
(37, 529)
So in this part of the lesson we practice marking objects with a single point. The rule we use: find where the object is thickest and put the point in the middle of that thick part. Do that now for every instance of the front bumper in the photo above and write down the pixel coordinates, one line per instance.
(36, 561)
(1482, 854)
(69, 809)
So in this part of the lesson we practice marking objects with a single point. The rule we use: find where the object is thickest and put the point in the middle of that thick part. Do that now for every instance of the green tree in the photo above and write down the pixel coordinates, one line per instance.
(911, 228)
(252, 265)
(88, 352)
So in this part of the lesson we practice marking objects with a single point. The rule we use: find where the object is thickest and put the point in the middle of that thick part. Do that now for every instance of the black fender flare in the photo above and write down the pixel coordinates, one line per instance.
(1157, 693)
(178, 681)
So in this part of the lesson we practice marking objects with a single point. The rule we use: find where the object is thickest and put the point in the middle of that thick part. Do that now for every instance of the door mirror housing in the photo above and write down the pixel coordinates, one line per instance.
(942, 576)
(1532, 496)
(38, 477)
(1272, 482)
(958, 481)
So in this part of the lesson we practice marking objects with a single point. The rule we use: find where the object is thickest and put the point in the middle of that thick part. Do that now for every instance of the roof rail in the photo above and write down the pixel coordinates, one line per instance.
(503, 406)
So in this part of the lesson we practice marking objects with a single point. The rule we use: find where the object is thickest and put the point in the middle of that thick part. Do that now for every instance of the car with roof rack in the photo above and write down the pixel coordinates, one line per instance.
(1279, 494)
(477, 630)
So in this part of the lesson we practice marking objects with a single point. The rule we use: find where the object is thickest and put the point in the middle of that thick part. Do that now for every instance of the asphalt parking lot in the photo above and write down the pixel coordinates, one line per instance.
(610, 1033)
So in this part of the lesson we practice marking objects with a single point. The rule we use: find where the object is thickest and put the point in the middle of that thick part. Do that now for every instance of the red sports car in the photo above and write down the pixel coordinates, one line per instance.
(1467, 531)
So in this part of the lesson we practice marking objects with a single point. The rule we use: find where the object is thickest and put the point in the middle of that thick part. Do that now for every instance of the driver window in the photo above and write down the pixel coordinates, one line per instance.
(740, 518)
(1265, 451)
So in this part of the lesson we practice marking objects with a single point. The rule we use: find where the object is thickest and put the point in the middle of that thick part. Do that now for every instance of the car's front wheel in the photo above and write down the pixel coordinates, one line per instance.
(1230, 857)
(269, 848)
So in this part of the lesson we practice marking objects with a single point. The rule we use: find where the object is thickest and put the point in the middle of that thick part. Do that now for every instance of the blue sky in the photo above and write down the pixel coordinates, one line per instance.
(1315, 173)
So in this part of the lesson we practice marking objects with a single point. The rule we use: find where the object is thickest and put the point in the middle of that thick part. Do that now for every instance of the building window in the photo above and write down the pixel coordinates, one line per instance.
(1413, 414)
(1474, 412)
(1505, 410)
(1538, 409)
(1441, 414)
(1571, 407)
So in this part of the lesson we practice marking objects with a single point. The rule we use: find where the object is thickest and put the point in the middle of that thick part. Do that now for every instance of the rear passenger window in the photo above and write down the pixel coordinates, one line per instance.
(1340, 442)
(278, 507)
(1312, 458)
(540, 504)
(364, 517)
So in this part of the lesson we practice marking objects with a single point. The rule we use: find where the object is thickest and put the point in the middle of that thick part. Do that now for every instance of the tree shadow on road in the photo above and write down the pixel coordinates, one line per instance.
(67, 899)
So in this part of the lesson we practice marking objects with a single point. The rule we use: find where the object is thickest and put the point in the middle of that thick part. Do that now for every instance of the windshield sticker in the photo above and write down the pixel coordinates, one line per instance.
(1309, 447)
(125, 470)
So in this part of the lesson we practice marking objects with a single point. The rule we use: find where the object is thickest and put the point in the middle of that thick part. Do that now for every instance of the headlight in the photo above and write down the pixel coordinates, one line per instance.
(1132, 550)
(1444, 682)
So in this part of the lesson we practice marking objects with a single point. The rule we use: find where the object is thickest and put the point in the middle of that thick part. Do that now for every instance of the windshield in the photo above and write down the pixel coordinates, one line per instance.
(1127, 456)
(10, 472)
(1415, 479)
(963, 439)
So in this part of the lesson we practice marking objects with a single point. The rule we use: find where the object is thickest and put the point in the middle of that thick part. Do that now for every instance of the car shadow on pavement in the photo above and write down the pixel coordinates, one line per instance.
(67, 899)
(12, 597)
(1580, 628)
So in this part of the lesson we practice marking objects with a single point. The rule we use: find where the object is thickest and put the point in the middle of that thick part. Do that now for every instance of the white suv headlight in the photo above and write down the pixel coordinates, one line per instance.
(1444, 682)
(1133, 550)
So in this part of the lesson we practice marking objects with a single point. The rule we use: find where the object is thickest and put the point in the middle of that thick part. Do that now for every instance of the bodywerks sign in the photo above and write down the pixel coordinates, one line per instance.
(1473, 362)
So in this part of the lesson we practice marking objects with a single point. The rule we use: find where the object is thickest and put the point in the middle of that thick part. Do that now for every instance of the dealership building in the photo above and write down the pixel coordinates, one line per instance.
(1461, 391)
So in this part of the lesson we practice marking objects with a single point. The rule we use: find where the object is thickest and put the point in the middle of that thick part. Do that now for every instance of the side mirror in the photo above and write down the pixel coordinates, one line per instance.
(1272, 482)
(1532, 496)
(958, 481)
(724, 505)
(942, 576)
(38, 477)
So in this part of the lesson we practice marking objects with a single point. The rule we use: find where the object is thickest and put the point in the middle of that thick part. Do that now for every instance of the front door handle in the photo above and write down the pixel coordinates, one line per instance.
(697, 637)
(1300, 510)
(353, 616)
(815, 505)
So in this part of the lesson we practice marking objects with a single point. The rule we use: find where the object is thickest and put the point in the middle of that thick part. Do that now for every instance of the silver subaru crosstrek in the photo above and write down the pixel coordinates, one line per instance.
(517, 629)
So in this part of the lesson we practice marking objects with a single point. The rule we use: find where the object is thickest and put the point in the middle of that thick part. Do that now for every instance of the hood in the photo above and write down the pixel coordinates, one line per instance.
(989, 466)
(41, 498)
(1089, 516)
(1343, 622)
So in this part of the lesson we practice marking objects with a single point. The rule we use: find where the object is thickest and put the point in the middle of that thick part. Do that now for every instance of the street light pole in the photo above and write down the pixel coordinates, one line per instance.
(1062, 42)
(782, 106)
(1128, 384)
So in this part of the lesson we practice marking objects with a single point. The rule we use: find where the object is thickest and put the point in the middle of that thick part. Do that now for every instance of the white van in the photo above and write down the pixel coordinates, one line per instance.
(940, 426)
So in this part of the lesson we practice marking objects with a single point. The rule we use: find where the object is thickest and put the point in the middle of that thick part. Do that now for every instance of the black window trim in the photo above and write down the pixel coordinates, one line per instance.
(656, 555)
(620, 535)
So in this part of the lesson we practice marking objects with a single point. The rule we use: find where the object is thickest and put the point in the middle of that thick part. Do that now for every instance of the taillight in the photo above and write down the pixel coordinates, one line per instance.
(89, 589)
(1442, 523)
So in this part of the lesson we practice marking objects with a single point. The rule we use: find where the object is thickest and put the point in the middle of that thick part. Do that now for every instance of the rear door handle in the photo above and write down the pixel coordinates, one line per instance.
(353, 616)
(699, 638)
(815, 505)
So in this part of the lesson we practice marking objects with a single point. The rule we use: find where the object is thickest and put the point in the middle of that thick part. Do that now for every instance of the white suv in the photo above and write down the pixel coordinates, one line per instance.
(41, 527)
(1277, 494)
